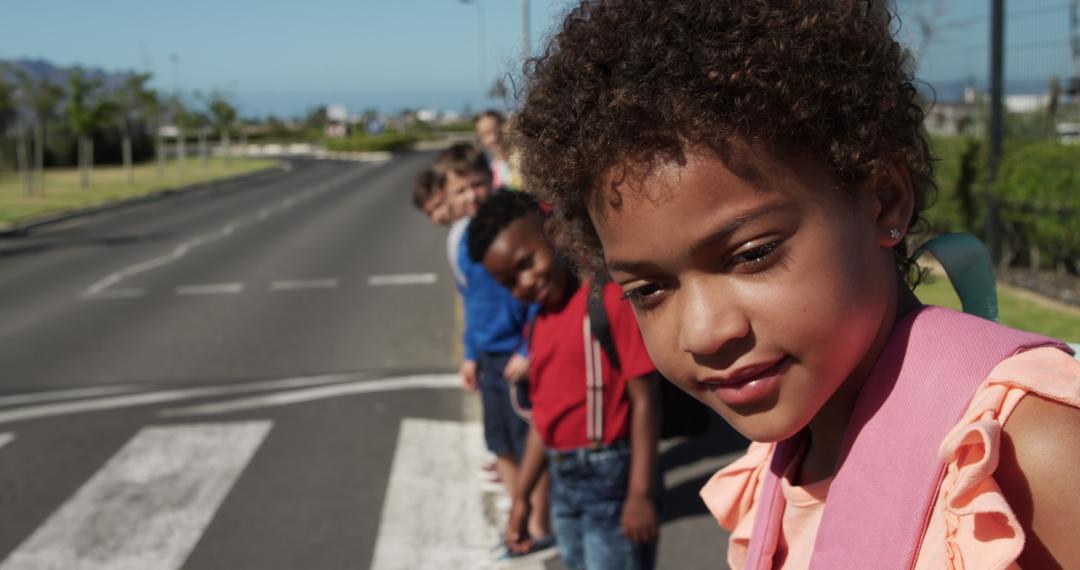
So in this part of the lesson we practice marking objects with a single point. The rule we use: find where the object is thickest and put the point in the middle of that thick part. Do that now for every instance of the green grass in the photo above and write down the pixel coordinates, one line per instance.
(1014, 310)
(62, 191)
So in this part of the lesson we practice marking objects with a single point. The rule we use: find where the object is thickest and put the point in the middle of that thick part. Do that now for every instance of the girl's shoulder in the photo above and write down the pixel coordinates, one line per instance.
(1012, 454)
(1008, 456)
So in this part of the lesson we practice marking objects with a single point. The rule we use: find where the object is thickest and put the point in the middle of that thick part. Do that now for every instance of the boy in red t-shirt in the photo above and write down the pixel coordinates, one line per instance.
(597, 422)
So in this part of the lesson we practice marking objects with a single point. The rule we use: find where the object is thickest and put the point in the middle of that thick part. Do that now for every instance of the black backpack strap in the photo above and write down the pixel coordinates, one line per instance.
(601, 327)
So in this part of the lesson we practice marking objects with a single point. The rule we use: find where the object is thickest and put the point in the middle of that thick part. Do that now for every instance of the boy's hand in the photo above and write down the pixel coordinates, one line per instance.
(517, 527)
(639, 518)
(517, 368)
(467, 371)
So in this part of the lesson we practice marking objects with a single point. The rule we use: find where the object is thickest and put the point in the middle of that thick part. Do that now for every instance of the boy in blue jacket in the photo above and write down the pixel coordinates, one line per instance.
(495, 350)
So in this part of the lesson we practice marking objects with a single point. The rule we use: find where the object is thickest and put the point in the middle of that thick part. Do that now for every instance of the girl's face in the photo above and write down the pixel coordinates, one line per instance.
(760, 286)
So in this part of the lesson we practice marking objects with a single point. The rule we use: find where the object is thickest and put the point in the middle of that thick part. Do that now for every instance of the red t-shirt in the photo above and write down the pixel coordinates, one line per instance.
(564, 412)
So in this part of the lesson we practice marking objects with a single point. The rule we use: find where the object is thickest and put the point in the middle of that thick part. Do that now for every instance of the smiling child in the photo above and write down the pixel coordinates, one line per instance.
(747, 172)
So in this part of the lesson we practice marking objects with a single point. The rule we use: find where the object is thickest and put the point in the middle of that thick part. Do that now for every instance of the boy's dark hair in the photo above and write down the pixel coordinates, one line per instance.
(461, 159)
(424, 188)
(632, 81)
(493, 216)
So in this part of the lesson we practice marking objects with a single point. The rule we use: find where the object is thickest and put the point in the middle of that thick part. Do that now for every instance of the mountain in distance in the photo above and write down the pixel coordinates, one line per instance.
(40, 69)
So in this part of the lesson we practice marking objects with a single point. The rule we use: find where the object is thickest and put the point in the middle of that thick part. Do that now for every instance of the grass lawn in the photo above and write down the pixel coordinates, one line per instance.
(1014, 310)
(62, 191)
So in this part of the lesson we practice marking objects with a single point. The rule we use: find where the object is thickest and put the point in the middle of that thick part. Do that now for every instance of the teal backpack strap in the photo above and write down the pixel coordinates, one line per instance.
(970, 270)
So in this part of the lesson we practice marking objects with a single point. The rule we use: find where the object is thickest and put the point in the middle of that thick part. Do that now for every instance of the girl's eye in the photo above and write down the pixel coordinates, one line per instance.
(754, 258)
(644, 296)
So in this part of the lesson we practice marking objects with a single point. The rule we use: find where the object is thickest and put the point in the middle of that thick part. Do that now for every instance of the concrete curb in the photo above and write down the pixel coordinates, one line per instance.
(23, 228)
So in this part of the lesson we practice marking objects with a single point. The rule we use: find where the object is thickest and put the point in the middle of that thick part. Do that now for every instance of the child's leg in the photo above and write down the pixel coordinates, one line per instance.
(507, 467)
(540, 516)
(606, 547)
(500, 422)
(566, 513)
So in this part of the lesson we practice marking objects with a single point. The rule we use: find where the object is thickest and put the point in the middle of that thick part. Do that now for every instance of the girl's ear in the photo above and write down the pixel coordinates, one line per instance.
(895, 203)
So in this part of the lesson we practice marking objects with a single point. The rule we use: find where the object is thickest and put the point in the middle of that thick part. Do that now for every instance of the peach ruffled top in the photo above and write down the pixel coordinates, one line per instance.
(971, 524)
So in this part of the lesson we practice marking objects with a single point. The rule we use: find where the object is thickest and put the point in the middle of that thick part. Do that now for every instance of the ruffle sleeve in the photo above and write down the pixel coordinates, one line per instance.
(730, 495)
(980, 529)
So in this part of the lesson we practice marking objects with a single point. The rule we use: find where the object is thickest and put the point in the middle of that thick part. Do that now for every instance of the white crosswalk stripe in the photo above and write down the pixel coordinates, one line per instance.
(433, 513)
(148, 506)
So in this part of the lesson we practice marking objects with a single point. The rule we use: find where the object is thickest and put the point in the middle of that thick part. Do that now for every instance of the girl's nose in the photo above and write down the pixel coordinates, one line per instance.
(708, 320)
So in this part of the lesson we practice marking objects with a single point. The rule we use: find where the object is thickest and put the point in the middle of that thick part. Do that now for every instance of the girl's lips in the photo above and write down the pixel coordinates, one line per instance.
(743, 389)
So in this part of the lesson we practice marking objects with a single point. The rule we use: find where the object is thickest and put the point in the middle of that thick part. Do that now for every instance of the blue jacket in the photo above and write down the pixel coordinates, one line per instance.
(494, 320)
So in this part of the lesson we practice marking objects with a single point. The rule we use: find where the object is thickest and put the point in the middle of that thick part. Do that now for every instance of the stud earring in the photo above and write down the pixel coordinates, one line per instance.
(895, 233)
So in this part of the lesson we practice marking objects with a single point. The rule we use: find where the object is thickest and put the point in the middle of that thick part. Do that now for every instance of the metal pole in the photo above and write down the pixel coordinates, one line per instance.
(526, 44)
(997, 72)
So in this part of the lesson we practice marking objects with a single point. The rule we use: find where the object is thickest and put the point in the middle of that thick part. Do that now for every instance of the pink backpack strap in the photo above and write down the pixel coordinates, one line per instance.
(889, 473)
(770, 507)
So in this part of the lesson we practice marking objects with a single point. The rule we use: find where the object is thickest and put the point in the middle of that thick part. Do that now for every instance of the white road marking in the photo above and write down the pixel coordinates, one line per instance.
(6, 438)
(161, 396)
(184, 247)
(54, 395)
(429, 381)
(210, 289)
(402, 279)
(433, 513)
(129, 293)
(295, 284)
(148, 506)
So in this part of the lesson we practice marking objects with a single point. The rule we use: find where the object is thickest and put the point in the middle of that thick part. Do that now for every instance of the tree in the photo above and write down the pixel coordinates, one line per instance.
(86, 116)
(179, 115)
(130, 102)
(224, 115)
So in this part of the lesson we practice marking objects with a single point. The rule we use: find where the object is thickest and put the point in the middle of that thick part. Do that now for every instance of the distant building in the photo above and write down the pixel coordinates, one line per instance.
(954, 120)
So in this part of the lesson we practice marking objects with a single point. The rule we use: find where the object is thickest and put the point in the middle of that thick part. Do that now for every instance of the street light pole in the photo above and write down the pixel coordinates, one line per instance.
(997, 72)
(526, 45)
(480, 42)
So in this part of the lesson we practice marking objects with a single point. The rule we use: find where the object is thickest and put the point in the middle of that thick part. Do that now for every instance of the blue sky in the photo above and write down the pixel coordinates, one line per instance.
(285, 57)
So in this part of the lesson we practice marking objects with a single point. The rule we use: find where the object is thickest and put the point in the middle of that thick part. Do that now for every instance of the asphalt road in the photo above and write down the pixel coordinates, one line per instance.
(256, 375)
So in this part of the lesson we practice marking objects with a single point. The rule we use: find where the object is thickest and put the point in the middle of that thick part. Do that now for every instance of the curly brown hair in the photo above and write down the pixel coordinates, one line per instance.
(637, 81)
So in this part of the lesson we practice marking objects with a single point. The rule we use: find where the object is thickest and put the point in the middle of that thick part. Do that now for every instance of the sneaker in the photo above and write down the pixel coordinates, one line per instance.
(542, 550)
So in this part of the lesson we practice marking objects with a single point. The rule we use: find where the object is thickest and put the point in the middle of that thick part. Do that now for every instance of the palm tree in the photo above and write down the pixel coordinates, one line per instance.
(41, 98)
(180, 120)
(86, 116)
(44, 100)
(129, 100)
(224, 114)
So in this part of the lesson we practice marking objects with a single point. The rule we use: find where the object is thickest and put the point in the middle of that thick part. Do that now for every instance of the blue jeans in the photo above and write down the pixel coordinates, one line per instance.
(588, 488)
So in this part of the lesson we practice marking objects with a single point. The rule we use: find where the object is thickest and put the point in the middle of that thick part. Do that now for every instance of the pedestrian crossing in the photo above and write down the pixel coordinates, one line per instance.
(151, 502)
(148, 505)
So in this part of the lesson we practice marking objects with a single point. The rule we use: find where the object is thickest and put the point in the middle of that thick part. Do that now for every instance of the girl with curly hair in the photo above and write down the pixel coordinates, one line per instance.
(748, 172)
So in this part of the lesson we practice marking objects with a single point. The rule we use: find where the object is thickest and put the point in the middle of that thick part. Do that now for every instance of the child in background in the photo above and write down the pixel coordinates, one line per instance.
(495, 351)
(747, 172)
(429, 198)
(598, 422)
(490, 131)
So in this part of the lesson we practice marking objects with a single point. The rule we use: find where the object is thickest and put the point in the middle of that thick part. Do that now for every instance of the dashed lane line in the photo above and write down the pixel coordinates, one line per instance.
(300, 284)
(185, 247)
(402, 279)
(117, 293)
(6, 438)
(210, 289)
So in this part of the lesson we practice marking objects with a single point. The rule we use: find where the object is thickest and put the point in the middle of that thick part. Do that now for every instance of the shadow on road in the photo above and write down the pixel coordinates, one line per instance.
(682, 500)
